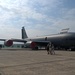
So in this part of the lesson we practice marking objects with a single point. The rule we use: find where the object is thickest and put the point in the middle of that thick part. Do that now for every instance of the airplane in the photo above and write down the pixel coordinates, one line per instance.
(63, 40)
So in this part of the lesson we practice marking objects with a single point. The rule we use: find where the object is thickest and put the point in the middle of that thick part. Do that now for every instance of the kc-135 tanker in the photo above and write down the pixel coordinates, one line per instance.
(63, 40)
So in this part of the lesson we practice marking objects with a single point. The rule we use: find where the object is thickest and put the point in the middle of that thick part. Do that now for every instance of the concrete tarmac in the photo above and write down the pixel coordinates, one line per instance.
(28, 62)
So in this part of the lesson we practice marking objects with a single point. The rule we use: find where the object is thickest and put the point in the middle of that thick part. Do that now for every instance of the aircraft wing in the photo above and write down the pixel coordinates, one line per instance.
(40, 43)
(2, 39)
(9, 42)
(14, 40)
(18, 40)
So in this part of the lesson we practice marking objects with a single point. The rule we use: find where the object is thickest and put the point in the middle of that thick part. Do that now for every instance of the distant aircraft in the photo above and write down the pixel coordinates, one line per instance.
(64, 40)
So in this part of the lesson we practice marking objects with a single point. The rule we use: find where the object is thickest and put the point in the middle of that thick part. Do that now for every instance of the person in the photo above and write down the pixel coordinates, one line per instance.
(50, 48)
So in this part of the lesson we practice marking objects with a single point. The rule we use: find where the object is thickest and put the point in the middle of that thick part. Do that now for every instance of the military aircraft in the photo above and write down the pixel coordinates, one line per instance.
(64, 40)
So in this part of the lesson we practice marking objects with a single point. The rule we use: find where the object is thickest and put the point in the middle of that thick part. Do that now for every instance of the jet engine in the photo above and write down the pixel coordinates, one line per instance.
(31, 44)
(8, 43)
(28, 44)
(34, 46)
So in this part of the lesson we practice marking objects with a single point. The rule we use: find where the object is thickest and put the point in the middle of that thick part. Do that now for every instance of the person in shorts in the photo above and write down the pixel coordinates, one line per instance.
(48, 47)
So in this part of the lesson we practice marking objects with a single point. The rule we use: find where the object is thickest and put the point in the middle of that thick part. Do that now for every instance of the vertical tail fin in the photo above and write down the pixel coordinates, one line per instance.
(24, 35)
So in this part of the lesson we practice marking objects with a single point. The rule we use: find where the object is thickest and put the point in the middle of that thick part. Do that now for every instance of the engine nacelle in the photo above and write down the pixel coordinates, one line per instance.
(31, 44)
(8, 43)
(28, 44)
(34, 46)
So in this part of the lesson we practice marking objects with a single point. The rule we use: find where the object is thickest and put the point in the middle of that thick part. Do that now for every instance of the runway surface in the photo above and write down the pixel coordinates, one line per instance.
(28, 62)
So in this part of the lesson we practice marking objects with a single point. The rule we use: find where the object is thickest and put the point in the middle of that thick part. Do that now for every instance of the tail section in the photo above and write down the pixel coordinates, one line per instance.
(24, 35)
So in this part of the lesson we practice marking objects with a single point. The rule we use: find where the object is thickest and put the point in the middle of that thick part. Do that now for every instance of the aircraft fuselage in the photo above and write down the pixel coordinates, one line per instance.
(64, 40)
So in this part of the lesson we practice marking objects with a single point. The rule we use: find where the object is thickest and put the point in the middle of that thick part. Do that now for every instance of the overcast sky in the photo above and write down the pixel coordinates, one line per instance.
(39, 17)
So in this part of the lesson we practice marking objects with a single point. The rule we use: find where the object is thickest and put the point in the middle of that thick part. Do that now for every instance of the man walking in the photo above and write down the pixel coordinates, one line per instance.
(50, 48)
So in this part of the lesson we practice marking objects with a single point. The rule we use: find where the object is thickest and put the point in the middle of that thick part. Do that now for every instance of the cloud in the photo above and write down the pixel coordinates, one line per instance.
(70, 14)
(67, 21)
(40, 17)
